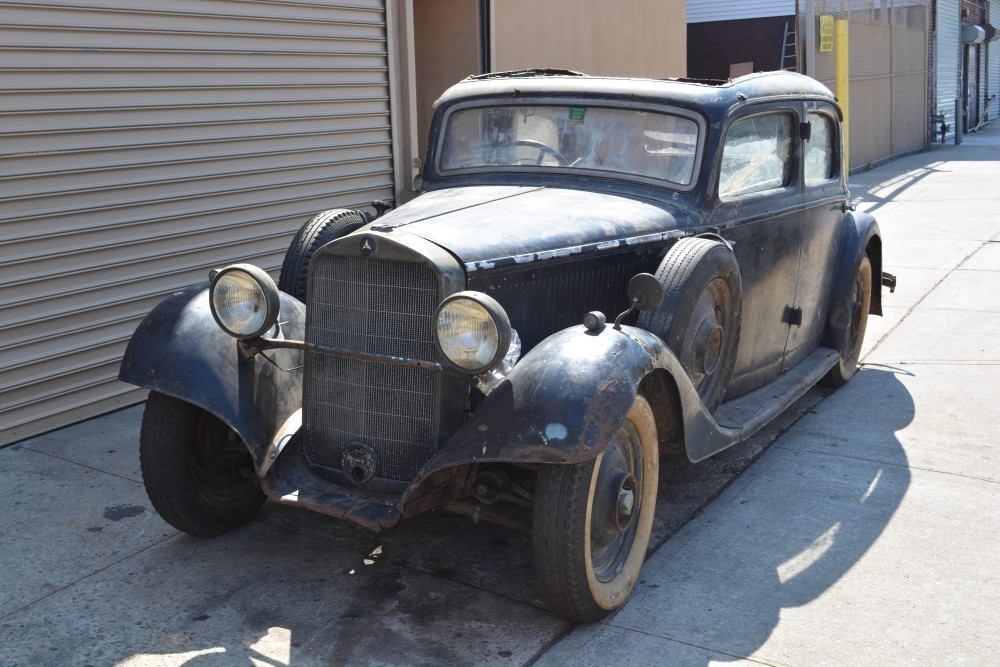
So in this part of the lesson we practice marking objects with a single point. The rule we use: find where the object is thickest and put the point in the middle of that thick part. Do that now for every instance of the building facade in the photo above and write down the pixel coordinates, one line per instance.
(145, 143)
(874, 54)
(966, 67)
(724, 33)
(456, 38)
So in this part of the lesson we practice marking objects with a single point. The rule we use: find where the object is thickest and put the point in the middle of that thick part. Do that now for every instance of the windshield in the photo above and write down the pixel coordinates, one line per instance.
(649, 144)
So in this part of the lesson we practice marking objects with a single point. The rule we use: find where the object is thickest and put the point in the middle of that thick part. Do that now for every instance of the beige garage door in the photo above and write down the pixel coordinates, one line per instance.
(143, 143)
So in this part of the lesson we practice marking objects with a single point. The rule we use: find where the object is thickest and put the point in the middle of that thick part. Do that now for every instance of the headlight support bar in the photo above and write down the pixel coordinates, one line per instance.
(257, 345)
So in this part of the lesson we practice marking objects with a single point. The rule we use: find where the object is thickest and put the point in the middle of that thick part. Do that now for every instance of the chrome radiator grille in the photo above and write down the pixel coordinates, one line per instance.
(380, 307)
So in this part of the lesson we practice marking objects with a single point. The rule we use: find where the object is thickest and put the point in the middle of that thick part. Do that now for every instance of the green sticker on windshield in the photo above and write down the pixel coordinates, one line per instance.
(576, 115)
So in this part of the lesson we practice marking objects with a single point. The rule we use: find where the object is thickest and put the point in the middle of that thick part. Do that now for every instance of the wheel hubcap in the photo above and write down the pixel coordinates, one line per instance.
(626, 502)
(222, 467)
(708, 347)
(705, 337)
(616, 504)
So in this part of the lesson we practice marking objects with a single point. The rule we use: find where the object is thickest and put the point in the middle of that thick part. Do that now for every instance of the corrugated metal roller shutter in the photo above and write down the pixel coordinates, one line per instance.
(948, 58)
(702, 11)
(993, 61)
(984, 84)
(143, 144)
(994, 77)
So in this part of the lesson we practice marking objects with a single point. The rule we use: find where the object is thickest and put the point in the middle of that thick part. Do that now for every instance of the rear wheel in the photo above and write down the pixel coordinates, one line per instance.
(316, 233)
(858, 307)
(592, 521)
(197, 472)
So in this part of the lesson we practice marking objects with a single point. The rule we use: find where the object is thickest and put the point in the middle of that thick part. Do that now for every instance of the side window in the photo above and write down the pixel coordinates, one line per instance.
(820, 155)
(756, 155)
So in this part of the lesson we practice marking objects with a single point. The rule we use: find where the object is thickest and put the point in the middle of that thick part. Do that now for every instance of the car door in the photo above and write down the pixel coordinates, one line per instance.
(823, 215)
(758, 199)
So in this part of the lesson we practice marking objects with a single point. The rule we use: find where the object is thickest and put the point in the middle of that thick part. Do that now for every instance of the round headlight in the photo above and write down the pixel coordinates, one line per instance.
(244, 300)
(472, 330)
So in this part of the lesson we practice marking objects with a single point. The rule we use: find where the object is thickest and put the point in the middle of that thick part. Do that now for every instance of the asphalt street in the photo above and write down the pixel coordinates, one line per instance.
(859, 529)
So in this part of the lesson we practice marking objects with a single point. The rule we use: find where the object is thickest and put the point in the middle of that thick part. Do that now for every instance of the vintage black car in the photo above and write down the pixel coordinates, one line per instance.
(598, 270)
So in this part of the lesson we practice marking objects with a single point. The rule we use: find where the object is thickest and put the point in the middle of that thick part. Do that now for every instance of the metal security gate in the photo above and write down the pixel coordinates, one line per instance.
(143, 143)
(993, 79)
(948, 61)
(888, 75)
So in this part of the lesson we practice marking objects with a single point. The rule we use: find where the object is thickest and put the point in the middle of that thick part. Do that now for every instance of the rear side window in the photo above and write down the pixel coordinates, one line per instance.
(757, 155)
(820, 155)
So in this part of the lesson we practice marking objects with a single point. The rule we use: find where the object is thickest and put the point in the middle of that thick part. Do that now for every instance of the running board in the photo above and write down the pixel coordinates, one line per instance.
(748, 414)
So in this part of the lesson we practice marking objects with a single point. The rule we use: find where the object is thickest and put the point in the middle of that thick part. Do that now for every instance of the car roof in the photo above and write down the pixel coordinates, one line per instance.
(701, 92)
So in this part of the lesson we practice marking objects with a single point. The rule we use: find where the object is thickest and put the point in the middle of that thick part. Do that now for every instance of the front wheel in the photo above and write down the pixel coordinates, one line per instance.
(197, 472)
(592, 521)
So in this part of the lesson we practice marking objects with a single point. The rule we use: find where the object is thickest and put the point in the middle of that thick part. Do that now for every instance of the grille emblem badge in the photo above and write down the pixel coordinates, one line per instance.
(359, 461)
(367, 245)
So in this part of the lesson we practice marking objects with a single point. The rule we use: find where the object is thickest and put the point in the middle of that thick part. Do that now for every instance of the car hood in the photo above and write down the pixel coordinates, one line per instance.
(487, 225)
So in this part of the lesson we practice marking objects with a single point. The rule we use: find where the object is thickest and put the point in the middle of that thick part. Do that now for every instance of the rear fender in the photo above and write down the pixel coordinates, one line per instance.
(180, 351)
(565, 400)
(861, 238)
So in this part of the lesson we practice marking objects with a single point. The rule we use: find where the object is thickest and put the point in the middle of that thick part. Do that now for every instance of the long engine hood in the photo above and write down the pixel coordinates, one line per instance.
(489, 225)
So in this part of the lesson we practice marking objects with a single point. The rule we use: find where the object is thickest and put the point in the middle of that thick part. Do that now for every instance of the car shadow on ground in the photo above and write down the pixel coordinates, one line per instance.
(297, 588)
(802, 518)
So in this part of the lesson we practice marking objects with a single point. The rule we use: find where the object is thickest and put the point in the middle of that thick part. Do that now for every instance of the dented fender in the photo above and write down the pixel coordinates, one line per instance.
(180, 351)
(565, 400)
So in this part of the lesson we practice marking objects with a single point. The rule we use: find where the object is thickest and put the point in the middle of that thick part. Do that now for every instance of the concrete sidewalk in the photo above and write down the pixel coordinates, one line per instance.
(868, 533)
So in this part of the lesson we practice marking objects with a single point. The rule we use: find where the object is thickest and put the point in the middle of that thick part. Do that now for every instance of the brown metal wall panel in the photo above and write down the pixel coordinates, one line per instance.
(871, 120)
(888, 75)
(871, 91)
(909, 82)
(871, 49)
(142, 145)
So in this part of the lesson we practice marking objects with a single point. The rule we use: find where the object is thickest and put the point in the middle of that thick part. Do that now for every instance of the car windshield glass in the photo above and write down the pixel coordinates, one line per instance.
(649, 144)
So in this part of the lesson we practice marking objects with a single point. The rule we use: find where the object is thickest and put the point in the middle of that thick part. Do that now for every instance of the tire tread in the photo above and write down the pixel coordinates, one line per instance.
(565, 490)
(166, 423)
(313, 235)
(561, 542)
(675, 275)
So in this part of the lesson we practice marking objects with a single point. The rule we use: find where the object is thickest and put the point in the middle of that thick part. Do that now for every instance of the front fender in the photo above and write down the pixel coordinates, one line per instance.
(564, 401)
(180, 351)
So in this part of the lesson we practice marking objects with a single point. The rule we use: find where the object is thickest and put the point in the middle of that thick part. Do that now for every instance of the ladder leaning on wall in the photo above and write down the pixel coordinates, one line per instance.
(789, 59)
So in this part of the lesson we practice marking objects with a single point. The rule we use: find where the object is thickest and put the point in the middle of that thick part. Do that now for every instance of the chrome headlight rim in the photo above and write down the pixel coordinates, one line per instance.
(268, 290)
(496, 314)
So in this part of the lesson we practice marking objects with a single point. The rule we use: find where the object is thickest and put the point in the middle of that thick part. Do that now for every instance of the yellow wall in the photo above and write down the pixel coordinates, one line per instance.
(645, 38)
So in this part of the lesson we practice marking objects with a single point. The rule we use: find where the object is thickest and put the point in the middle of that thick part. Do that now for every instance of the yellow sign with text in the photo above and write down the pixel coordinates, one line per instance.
(825, 33)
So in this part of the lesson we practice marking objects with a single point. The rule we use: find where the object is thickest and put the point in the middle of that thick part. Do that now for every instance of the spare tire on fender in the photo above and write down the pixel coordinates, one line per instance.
(699, 318)
(316, 233)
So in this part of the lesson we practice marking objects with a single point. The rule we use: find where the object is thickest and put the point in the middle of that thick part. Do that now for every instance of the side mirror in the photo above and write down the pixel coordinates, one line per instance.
(645, 291)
